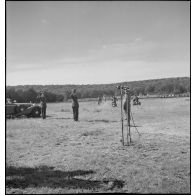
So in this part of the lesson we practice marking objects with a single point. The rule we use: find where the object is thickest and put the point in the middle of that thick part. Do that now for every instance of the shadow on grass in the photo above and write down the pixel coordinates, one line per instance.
(23, 177)
(26, 117)
(61, 118)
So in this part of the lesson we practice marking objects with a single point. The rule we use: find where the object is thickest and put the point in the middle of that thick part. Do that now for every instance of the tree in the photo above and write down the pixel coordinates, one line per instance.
(30, 95)
(67, 95)
(14, 95)
(150, 89)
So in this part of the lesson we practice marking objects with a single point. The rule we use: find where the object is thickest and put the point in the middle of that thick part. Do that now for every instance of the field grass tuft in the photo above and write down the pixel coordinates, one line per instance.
(92, 133)
(65, 110)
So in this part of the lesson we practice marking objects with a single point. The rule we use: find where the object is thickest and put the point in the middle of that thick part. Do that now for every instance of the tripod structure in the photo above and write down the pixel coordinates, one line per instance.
(126, 107)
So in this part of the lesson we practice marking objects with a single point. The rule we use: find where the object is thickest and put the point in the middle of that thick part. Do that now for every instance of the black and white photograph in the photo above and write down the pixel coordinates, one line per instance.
(97, 97)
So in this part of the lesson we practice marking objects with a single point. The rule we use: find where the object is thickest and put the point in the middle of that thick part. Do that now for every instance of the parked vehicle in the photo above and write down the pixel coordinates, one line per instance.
(23, 109)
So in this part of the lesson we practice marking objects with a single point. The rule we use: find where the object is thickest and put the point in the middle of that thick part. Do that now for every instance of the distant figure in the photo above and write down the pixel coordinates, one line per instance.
(43, 103)
(104, 98)
(114, 99)
(75, 105)
(99, 100)
(136, 101)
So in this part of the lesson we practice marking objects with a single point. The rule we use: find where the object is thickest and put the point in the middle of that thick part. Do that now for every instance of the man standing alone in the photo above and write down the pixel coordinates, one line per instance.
(75, 105)
(43, 103)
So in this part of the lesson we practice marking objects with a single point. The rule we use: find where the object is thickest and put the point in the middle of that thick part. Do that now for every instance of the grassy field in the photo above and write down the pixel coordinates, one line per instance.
(58, 155)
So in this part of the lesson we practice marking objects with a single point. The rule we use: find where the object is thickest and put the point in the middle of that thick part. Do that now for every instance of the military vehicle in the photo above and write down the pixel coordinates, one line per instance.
(22, 109)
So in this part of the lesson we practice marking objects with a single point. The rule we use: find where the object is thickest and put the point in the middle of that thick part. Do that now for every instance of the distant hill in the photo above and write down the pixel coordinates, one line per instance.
(153, 86)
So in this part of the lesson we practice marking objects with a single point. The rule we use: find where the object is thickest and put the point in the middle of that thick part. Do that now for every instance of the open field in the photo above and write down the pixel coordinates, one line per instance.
(58, 155)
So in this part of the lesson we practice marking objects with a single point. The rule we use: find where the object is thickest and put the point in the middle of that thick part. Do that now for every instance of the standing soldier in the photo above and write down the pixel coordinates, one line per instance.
(104, 98)
(136, 100)
(43, 103)
(99, 100)
(114, 99)
(75, 105)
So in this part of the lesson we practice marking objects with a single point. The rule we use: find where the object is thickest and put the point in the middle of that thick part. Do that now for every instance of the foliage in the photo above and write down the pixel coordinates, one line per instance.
(30, 95)
(57, 93)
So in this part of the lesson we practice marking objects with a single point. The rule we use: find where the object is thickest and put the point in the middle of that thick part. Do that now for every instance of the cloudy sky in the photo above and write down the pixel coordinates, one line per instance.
(69, 42)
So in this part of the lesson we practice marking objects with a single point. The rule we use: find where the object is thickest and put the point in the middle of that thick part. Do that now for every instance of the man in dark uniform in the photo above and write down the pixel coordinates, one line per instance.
(114, 99)
(104, 98)
(43, 103)
(75, 105)
(136, 100)
(99, 100)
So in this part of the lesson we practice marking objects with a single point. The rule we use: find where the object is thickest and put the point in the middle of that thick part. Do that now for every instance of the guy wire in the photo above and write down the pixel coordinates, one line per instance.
(134, 124)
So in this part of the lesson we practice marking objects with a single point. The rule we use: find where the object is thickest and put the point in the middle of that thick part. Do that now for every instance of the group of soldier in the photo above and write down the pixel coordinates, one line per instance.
(114, 100)
(75, 104)
(103, 98)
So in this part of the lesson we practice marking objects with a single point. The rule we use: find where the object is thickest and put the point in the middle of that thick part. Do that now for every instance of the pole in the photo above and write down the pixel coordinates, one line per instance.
(129, 116)
(122, 114)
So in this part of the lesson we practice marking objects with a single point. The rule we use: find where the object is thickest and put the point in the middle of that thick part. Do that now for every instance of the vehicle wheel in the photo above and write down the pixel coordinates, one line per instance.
(21, 108)
(36, 112)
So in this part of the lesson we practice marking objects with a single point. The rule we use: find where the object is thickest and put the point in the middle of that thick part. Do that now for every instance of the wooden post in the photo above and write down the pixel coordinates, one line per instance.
(129, 116)
(128, 102)
(121, 92)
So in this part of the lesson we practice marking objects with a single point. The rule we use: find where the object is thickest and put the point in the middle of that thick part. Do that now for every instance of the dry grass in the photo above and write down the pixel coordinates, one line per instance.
(58, 155)
(65, 110)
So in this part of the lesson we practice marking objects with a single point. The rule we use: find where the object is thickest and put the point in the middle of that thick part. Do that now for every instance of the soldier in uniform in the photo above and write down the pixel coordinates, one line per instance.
(99, 100)
(136, 100)
(114, 99)
(104, 98)
(75, 105)
(43, 103)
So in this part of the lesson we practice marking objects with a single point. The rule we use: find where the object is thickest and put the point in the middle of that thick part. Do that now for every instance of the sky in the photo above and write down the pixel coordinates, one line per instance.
(97, 42)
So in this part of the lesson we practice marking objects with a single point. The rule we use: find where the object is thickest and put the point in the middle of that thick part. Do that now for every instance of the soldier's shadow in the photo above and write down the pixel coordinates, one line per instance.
(23, 177)
(61, 118)
(58, 118)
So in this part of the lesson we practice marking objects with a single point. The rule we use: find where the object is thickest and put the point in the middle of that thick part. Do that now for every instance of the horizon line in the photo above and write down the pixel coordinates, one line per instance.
(97, 84)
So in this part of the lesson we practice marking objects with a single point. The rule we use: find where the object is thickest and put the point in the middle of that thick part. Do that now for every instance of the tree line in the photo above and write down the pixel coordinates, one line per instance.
(30, 95)
(57, 93)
